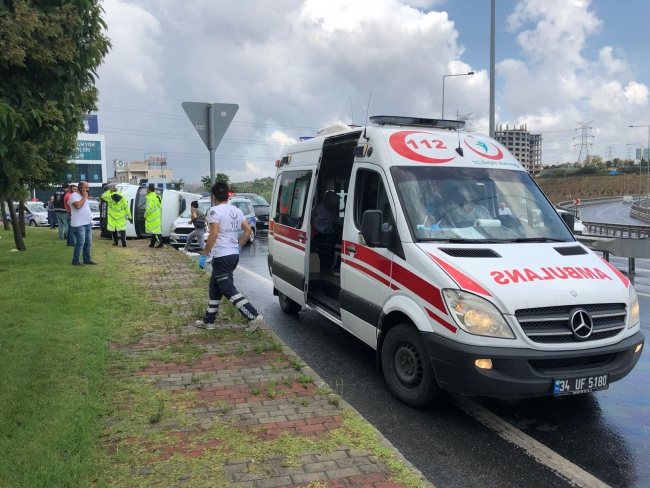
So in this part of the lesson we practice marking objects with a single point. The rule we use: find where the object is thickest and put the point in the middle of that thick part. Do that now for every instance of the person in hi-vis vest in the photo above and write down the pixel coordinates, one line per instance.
(118, 212)
(153, 217)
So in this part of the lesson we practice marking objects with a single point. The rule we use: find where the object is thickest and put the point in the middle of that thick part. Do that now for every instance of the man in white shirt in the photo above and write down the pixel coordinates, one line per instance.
(503, 210)
(80, 219)
(224, 221)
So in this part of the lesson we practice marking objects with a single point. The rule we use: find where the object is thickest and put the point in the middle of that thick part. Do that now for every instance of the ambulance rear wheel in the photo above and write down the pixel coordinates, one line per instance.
(288, 305)
(407, 368)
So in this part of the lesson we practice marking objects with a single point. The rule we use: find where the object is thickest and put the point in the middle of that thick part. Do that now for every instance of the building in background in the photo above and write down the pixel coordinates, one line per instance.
(153, 170)
(523, 145)
(89, 161)
(638, 153)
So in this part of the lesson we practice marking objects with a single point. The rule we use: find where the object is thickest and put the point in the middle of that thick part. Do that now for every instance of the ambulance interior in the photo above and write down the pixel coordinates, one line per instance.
(334, 174)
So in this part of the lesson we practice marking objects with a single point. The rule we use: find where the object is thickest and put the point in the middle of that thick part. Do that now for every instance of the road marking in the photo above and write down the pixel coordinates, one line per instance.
(643, 294)
(560, 465)
(255, 275)
(538, 451)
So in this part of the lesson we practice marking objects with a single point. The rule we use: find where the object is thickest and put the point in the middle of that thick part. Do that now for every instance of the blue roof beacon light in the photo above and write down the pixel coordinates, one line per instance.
(382, 120)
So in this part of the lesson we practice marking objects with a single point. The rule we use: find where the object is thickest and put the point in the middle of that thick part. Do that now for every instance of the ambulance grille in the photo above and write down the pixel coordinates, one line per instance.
(571, 250)
(459, 252)
(551, 324)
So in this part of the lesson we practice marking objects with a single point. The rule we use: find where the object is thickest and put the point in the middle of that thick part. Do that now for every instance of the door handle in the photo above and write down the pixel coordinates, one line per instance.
(302, 238)
(351, 249)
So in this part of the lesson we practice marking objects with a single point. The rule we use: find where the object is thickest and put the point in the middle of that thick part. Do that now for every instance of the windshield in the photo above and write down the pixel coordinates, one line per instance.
(94, 206)
(476, 204)
(203, 206)
(35, 207)
(257, 200)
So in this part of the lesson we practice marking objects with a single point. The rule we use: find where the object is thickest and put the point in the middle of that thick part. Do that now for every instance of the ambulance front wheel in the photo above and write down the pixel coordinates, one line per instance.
(407, 368)
(288, 305)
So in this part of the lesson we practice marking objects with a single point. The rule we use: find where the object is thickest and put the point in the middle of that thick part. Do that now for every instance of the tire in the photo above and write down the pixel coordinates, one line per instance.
(32, 223)
(288, 305)
(251, 238)
(407, 368)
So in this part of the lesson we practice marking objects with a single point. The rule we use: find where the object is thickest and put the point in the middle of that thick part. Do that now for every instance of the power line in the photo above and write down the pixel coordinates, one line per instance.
(610, 152)
(145, 113)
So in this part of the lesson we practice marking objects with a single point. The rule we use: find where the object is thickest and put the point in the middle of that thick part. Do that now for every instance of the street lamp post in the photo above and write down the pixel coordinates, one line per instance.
(443, 89)
(647, 190)
(640, 144)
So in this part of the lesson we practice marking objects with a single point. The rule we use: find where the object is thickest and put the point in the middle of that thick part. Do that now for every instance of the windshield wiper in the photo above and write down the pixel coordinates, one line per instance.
(538, 239)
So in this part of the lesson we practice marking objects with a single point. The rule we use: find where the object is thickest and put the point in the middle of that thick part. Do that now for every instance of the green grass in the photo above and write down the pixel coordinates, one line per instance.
(55, 322)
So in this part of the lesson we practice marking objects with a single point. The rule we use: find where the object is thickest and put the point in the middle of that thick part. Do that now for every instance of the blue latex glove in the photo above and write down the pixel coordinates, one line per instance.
(202, 262)
(239, 249)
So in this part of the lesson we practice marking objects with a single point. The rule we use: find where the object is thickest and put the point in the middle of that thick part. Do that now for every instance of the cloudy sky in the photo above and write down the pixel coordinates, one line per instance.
(293, 66)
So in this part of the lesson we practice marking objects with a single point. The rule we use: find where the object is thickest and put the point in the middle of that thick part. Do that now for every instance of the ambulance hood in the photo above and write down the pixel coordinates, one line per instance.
(531, 275)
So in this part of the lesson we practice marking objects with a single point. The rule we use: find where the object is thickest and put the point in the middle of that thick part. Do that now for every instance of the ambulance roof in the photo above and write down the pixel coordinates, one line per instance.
(417, 141)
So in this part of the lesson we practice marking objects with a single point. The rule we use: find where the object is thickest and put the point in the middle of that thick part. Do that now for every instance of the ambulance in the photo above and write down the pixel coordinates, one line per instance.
(454, 266)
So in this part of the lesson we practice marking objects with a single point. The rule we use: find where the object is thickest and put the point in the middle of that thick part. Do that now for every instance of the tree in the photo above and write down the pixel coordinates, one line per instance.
(222, 177)
(177, 184)
(49, 53)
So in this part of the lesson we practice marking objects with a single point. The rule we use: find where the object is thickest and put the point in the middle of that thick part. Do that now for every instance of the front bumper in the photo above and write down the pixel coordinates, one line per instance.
(521, 373)
(180, 240)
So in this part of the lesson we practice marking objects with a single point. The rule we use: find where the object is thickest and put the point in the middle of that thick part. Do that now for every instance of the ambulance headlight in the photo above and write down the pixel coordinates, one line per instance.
(173, 226)
(476, 315)
(634, 308)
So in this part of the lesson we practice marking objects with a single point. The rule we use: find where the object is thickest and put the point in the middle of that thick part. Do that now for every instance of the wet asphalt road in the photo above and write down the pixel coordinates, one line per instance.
(611, 213)
(605, 433)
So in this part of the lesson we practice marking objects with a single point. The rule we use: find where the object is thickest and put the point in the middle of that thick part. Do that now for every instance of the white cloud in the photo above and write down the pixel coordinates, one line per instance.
(555, 83)
(134, 62)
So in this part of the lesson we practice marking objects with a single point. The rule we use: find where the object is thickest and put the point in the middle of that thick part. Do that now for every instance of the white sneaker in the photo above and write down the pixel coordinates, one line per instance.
(182, 250)
(202, 325)
(209, 260)
(254, 324)
(191, 254)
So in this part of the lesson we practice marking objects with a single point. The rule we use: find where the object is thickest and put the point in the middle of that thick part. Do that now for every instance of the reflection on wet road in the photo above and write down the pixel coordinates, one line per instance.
(606, 433)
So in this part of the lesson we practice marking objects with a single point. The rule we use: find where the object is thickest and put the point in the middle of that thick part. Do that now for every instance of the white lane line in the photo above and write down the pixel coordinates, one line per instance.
(538, 451)
(643, 294)
(255, 275)
(560, 465)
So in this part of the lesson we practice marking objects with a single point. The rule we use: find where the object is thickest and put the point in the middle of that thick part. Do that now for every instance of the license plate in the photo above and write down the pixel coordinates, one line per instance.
(575, 386)
(182, 238)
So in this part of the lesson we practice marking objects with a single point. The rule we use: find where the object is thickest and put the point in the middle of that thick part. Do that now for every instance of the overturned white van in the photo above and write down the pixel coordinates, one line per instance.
(454, 265)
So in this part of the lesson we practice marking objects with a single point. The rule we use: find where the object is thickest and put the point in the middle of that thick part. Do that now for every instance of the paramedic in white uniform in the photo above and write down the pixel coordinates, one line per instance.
(225, 221)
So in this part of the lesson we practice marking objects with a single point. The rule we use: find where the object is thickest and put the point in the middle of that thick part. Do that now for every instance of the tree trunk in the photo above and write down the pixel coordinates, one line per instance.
(21, 218)
(5, 221)
(18, 238)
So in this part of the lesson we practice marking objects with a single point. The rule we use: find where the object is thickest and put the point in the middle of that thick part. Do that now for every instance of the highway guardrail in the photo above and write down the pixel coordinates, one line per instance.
(618, 230)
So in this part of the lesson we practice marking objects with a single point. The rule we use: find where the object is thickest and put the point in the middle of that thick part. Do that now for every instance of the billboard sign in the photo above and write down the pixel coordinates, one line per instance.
(89, 151)
(156, 159)
(90, 124)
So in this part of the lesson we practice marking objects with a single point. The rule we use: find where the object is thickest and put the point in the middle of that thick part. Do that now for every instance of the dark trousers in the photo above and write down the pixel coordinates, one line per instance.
(156, 239)
(71, 235)
(328, 245)
(222, 283)
(121, 234)
(51, 218)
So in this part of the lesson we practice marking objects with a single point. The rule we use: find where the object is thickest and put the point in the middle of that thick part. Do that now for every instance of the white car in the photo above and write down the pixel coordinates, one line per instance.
(94, 210)
(181, 227)
(36, 214)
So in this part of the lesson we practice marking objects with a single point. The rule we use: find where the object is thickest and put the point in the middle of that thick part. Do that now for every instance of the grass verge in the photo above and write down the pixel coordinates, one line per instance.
(56, 322)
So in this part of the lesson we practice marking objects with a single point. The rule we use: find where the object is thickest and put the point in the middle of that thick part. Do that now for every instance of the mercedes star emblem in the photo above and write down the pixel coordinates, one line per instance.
(581, 324)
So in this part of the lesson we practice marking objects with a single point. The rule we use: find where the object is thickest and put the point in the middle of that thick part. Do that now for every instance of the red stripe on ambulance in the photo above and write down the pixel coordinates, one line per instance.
(463, 281)
(527, 275)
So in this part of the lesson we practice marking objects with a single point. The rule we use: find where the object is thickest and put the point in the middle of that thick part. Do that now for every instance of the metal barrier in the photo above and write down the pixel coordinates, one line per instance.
(640, 211)
(587, 202)
(618, 230)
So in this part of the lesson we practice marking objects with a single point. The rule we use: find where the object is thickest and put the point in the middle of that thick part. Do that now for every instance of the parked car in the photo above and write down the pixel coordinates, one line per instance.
(35, 214)
(262, 209)
(181, 227)
(94, 210)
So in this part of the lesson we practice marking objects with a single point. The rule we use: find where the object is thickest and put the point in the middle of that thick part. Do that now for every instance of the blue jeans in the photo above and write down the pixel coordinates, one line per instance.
(71, 235)
(64, 223)
(84, 237)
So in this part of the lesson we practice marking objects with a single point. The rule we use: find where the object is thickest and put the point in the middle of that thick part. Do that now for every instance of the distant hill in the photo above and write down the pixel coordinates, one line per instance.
(263, 186)
(558, 189)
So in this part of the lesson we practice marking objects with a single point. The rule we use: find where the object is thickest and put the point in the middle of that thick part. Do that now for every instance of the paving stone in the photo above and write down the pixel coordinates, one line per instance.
(273, 482)
(308, 477)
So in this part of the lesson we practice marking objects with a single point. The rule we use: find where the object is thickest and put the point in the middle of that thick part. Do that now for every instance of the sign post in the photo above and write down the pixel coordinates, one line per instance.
(211, 128)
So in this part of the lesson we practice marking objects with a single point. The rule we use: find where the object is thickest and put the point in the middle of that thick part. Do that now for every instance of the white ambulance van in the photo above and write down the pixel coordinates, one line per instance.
(455, 267)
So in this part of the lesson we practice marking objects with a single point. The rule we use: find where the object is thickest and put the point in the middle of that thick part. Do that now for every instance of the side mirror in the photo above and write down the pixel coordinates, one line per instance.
(371, 228)
(569, 220)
